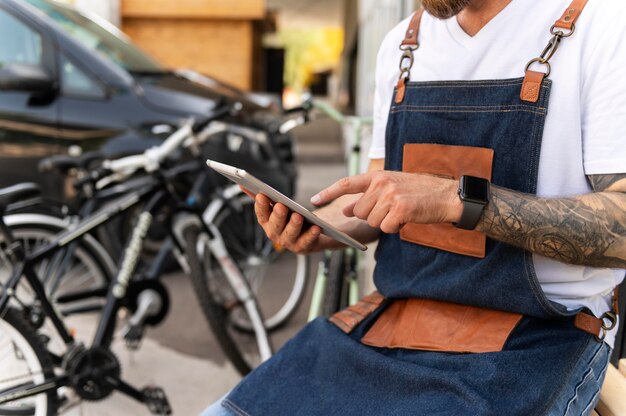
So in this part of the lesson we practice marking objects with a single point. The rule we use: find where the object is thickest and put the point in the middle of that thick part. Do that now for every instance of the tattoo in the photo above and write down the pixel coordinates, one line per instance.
(589, 229)
(615, 182)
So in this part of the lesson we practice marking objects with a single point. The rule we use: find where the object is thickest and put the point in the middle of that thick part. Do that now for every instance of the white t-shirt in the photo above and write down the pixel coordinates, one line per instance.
(585, 130)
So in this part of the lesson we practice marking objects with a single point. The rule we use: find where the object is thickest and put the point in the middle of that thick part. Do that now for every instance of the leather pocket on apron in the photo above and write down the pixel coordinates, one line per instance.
(348, 319)
(431, 325)
(452, 162)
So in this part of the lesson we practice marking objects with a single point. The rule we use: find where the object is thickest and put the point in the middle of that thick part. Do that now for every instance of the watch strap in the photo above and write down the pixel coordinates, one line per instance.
(470, 216)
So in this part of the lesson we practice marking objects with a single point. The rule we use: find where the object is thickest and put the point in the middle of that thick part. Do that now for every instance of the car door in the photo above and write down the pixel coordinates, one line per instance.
(28, 123)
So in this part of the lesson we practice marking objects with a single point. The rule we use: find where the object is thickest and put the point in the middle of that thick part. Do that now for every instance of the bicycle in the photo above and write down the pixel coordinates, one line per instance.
(94, 372)
(228, 209)
(336, 283)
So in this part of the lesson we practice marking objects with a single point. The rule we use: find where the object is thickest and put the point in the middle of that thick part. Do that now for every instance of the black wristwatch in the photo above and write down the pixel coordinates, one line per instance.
(474, 193)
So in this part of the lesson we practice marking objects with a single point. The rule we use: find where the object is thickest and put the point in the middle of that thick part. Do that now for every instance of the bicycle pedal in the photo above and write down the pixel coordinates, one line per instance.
(156, 400)
(133, 334)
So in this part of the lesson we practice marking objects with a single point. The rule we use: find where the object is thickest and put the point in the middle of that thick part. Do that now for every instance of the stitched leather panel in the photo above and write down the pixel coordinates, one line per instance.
(400, 90)
(430, 325)
(349, 318)
(531, 87)
(452, 162)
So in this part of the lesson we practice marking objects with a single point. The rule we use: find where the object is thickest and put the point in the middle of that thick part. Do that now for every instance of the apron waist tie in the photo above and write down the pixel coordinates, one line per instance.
(441, 326)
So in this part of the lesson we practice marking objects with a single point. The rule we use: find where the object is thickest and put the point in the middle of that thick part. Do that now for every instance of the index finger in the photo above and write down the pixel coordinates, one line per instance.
(349, 185)
(247, 192)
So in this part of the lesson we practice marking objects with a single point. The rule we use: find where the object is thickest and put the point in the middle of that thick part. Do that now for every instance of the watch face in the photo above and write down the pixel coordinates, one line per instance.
(475, 189)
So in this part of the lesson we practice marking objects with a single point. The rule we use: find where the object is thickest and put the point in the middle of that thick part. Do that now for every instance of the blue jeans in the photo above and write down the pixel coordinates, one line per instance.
(584, 392)
(216, 409)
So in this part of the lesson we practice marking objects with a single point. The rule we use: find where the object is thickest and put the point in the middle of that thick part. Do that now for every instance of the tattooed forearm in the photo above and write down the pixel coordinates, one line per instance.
(588, 230)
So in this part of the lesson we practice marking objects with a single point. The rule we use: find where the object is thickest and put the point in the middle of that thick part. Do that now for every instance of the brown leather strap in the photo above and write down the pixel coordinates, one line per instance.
(597, 326)
(588, 323)
(350, 317)
(408, 45)
(531, 87)
(400, 90)
(571, 15)
(410, 39)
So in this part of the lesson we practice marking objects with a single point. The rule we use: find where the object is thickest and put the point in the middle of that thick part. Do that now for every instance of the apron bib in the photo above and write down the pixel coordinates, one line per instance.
(324, 371)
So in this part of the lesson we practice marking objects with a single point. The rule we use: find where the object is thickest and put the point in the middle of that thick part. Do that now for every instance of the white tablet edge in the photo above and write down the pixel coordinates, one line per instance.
(255, 185)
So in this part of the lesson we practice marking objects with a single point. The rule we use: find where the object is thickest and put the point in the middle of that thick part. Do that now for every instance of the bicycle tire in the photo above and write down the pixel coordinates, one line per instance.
(246, 243)
(335, 284)
(40, 228)
(20, 327)
(215, 310)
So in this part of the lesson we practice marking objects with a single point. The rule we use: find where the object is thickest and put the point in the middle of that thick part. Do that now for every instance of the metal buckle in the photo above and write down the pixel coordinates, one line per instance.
(551, 48)
(408, 54)
(541, 61)
(600, 338)
(611, 317)
(405, 69)
(560, 33)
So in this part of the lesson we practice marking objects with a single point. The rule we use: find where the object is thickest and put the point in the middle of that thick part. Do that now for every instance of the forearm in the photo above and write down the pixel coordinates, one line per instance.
(586, 230)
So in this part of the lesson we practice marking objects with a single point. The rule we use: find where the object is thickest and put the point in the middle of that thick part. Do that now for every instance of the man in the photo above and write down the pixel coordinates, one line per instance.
(474, 142)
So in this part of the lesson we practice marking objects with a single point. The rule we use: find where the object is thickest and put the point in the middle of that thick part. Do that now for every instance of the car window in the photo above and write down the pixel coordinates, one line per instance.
(99, 36)
(74, 81)
(20, 43)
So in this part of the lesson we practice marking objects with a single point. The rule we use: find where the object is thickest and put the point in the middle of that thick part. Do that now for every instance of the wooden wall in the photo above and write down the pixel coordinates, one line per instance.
(214, 37)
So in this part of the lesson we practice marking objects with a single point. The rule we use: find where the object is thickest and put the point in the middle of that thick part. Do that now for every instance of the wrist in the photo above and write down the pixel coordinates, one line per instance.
(454, 205)
(474, 195)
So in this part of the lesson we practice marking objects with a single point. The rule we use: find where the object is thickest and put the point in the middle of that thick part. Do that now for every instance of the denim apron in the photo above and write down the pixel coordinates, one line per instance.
(323, 371)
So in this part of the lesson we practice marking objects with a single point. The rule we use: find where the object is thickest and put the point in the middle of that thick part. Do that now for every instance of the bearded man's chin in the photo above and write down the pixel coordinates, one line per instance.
(444, 9)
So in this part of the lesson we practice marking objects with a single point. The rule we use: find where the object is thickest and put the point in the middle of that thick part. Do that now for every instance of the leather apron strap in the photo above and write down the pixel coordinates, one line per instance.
(562, 28)
(599, 326)
(531, 88)
(408, 45)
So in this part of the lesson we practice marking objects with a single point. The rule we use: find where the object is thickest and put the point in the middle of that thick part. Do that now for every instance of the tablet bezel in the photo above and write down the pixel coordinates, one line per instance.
(255, 185)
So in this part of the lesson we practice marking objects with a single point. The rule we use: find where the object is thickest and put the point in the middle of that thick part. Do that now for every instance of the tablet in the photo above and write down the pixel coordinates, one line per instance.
(256, 186)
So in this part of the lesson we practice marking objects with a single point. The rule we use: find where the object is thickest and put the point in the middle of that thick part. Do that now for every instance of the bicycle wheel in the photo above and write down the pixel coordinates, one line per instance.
(334, 290)
(23, 361)
(222, 306)
(277, 277)
(86, 267)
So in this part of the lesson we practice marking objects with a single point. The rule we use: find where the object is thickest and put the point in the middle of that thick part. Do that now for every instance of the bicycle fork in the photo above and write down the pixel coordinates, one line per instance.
(238, 283)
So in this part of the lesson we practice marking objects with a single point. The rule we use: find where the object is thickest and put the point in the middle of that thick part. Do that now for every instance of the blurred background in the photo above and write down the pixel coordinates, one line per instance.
(82, 81)
(120, 75)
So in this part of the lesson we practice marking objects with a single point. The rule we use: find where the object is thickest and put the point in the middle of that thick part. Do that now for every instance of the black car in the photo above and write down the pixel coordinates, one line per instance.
(68, 80)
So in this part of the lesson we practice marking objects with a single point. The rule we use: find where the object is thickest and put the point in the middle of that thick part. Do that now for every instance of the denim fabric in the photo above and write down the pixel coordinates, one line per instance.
(217, 409)
(582, 394)
(323, 372)
(547, 366)
(468, 113)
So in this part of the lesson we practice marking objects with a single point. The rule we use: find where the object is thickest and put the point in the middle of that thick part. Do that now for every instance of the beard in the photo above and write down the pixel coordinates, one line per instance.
(444, 9)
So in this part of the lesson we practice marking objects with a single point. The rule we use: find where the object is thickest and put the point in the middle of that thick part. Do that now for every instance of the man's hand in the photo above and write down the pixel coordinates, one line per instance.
(285, 228)
(391, 199)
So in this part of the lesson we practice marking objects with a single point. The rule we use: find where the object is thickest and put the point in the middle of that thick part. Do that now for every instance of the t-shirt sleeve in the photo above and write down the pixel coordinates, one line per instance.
(604, 99)
(382, 97)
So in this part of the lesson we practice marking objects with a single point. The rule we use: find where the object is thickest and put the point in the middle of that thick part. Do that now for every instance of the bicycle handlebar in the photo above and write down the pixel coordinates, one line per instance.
(151, 159)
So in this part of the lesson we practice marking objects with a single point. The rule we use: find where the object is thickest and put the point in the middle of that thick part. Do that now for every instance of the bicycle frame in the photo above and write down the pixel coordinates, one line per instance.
(353, 257)
(154, 196)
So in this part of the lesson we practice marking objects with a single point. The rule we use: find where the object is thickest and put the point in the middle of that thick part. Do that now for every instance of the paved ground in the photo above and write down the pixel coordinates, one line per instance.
(181, 355)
